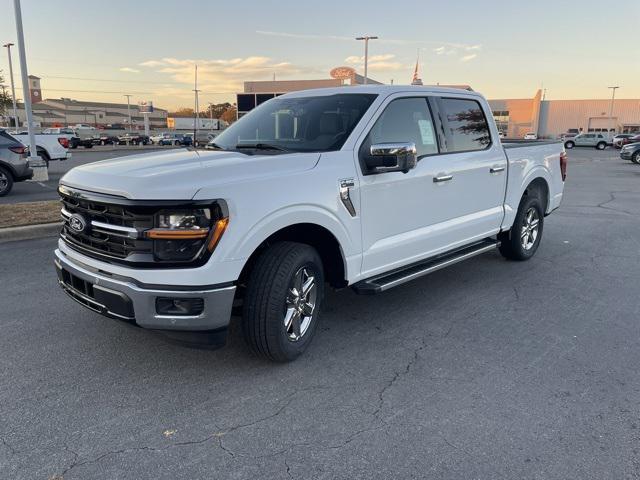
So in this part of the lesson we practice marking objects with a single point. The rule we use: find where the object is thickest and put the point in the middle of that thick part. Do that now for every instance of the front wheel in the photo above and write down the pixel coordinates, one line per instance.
(569, 144)
(635, 158)
(6, 182)
(522, 241)
(282, 302)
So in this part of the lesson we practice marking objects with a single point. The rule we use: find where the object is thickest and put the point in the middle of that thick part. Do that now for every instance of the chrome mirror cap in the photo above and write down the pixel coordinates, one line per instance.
(391, 157)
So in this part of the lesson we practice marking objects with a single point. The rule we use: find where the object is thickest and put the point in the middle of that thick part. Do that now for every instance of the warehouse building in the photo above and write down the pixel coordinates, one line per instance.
(61, 112)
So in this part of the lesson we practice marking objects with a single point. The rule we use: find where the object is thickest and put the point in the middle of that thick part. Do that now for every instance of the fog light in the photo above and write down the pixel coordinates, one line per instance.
(179, 306)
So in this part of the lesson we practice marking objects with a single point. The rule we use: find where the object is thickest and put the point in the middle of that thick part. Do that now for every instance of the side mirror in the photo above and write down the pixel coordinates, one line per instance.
(391, 157)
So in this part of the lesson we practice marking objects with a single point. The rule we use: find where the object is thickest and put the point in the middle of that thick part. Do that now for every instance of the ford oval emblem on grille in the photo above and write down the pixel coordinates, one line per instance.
(78, 223)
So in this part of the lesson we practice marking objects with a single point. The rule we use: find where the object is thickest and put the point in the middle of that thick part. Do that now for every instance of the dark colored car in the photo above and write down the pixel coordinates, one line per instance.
(133, 139)
(105, 140)
(176, 139)
(635, 138)
(14, 165)
(75, 142)
(631, 152)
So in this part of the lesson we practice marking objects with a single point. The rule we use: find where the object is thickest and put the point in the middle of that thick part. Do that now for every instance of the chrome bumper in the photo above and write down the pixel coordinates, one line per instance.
(122, 298)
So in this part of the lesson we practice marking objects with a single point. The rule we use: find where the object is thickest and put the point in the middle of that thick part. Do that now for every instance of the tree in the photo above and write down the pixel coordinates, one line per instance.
(5, 98)
(218, 109)
(182, 112)
(229, 115)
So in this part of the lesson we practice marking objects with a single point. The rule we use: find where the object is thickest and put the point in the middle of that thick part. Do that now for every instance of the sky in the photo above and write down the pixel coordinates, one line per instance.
(101, 50)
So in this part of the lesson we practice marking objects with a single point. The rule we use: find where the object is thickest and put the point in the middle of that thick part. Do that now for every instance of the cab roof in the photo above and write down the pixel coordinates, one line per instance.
(382, 90)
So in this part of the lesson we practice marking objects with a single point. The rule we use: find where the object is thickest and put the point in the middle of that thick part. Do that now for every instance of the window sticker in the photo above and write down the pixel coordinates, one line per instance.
(426, 132)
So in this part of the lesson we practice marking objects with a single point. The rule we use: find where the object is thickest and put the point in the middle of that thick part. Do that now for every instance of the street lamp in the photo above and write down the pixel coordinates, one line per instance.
(39, 167)
(366, 39)
(13, 88)
(128, 110)
(613, 97)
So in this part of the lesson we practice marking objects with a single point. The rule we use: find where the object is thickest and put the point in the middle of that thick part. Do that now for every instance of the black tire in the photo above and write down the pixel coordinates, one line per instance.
(269, 296)
(45, 156)
(176, 143)
(73, 146)
(601, 145)
(511, 242)
(635, 158)
(89, 145)
(569, 144)
(6, 181)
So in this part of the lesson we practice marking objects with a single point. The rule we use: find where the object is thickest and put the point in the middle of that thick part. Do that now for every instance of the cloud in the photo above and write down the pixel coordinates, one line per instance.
(376, 62)
(217, 76)
(467, 58)
(129, 70)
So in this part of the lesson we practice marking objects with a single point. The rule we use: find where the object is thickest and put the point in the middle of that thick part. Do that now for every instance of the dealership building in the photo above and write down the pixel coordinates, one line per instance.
(514, 117)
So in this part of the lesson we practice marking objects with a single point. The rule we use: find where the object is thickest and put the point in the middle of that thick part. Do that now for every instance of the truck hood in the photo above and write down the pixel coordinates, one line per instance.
(179, 174)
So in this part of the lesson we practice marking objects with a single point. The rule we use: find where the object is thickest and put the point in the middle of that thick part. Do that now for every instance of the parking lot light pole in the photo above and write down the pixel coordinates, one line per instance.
(613, 98)
(366, 39)
(13, 87)
(38, 165)
(129, 110)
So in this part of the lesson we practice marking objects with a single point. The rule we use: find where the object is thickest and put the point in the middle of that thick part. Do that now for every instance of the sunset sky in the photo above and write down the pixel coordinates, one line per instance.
(92, 50)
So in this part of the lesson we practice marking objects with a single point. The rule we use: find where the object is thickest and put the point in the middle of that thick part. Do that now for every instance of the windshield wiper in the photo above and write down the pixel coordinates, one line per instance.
(261, 146)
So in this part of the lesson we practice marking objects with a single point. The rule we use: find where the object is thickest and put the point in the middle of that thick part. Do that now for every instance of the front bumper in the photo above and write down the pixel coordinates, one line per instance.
(123, 298)
(626, 154)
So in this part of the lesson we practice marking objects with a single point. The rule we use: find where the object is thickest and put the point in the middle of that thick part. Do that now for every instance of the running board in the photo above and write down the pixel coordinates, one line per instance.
(383, 282)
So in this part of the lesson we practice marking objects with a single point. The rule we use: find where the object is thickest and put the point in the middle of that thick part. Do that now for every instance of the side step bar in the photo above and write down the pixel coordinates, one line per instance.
(388, 280)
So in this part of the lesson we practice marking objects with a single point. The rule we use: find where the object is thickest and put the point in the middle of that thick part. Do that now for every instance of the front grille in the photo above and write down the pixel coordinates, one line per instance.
(114, 231)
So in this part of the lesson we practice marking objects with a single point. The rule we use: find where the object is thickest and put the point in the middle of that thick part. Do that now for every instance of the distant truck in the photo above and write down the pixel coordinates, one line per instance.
(187, 123)
(50, 146)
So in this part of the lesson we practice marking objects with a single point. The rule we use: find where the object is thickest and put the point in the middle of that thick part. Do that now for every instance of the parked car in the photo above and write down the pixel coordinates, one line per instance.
(268, 219)
(14, 164)
(133, 139)
(595, 140)
(157, 137)
(617, 140)
(531, 136)
(105, 140)
(50, 146)
(203, 137)
(631, 152)
(176, 139)
(634, 138)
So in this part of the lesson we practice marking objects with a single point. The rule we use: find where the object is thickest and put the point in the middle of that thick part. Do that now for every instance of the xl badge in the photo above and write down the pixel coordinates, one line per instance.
(78, 223)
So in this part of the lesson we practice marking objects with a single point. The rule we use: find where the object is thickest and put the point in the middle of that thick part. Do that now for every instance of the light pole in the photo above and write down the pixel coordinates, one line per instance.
(13, 87)
(613, 97)
(197, 107)
(129, 110)
(366, 39)
(40, 172)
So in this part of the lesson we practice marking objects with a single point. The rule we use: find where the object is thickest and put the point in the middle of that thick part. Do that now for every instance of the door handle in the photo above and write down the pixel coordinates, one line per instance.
(496, 169)
(442, 178)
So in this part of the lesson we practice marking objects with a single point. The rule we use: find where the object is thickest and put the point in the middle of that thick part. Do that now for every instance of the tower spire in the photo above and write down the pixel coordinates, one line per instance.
(416, 80)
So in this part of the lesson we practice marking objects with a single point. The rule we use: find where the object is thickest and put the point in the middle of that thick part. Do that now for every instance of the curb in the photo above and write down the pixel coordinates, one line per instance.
(28, 232)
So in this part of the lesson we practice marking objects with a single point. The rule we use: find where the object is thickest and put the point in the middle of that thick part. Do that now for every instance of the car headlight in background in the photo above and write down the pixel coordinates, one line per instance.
(187, 234)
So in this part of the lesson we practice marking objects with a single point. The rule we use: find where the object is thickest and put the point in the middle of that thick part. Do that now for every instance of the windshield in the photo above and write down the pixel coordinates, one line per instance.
(303, 124)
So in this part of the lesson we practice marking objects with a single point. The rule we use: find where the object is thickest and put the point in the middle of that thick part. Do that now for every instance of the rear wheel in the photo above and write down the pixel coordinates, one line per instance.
(522, 241)
(601, 145)
(6, 182)
(282, 302)
(569, 144)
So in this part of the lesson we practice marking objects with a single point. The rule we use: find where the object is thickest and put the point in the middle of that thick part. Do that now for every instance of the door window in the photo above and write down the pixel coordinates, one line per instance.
(405, 120)
(465, 125)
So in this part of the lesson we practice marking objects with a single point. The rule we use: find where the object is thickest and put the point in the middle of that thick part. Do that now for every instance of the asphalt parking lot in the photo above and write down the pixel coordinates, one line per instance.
(37, 191)
(487, 370)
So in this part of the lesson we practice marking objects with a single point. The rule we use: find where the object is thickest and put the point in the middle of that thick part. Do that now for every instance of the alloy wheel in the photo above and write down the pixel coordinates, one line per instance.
(530, 229)
(4, 182)
(300, 304)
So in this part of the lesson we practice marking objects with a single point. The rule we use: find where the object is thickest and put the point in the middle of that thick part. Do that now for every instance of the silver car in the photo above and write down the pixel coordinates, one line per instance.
(594, 140)
(14, 165)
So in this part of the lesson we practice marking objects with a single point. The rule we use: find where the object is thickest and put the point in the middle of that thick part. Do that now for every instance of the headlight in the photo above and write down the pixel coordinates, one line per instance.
(184, 235)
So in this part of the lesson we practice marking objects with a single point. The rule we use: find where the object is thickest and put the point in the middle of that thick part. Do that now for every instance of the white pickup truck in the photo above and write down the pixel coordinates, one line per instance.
(50, 146)
(367, 187)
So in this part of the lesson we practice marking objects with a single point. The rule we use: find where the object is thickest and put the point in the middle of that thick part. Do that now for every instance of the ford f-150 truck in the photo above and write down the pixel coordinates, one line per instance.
(50, 146)
(364, 186)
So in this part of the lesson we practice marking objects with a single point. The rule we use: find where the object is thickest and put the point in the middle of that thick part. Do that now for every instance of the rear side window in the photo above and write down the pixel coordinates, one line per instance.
(6, 139)
(464, 124)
